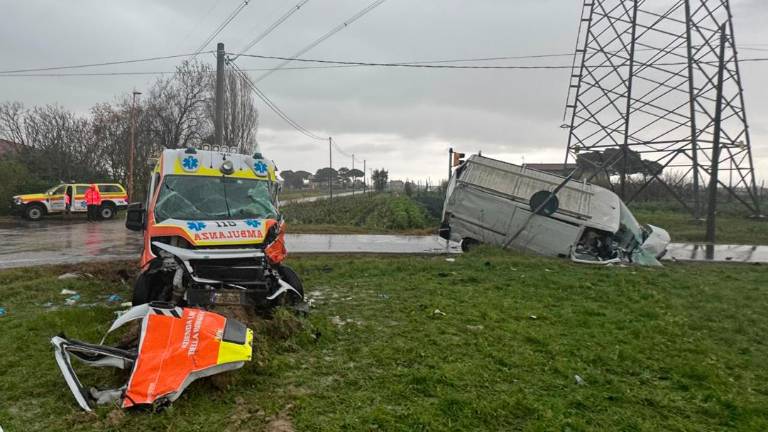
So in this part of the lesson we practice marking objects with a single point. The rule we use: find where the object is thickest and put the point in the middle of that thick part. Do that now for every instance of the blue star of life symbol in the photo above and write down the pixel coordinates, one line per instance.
(196, 226)
(260, 168)
(253, 223)
(189, 163)
(85, 203)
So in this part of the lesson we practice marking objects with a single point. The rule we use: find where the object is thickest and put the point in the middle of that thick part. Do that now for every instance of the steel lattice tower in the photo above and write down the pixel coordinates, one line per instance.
(643, 87)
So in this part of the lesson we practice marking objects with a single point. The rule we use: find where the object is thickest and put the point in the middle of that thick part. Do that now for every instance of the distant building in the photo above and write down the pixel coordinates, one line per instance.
(396, 186)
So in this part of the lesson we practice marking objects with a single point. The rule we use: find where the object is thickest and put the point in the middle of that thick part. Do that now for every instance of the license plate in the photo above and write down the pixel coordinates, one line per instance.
(226, 298)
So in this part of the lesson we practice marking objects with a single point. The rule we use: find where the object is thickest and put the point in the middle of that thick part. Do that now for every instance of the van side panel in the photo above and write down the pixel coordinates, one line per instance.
(492, 219)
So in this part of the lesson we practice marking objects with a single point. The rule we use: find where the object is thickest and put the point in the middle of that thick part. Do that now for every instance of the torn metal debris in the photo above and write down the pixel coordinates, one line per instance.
(490, 201)
(176, 346)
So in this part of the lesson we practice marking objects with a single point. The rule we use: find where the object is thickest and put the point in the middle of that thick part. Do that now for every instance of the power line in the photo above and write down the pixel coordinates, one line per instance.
(223, 25)
(273, 106)
(261, 95)
(345, 153)
(111, 63)
(442, 66)
(324, 37)
(10, 74)
(92, 74)
(273, 26)
(200, 21)
(329, 64)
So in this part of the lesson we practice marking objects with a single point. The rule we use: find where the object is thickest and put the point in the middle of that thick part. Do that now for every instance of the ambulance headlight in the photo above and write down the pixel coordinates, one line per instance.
(227, 167)
(17, 200)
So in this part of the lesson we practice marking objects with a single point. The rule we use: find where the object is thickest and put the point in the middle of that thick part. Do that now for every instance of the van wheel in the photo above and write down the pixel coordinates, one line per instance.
(107, 211)
(468, 244)
(291, 278)
(34, 212)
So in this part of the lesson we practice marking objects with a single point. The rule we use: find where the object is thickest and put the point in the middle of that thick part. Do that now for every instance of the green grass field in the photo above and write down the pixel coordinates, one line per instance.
(491, 341)
(734, 226)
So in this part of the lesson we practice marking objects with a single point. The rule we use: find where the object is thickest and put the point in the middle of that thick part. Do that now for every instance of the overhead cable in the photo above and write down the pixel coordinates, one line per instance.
(443, 66)
(272, 27)
(330, 64)
(200, 21)
(110, 63)
(87, 74)
(324, 37)
(261, 95)
(222, 26)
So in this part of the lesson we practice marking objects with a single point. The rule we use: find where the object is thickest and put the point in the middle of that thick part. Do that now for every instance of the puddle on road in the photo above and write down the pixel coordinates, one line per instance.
(717, 253)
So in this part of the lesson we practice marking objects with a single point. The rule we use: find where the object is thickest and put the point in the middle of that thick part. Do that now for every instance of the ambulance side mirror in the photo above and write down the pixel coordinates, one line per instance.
(136, 218)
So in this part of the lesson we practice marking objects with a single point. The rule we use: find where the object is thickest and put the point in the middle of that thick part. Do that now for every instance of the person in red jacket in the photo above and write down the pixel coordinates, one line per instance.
(93, 201)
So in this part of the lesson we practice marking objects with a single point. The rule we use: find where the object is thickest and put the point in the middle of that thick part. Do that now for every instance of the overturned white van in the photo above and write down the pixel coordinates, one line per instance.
(490, 201)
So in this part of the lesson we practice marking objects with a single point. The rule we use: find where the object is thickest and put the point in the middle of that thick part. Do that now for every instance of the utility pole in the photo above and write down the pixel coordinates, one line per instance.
(365, 185)
(712, 207)
(330, 172)
(219, 120)
(450, 162)
(132, 149)
(353, 178)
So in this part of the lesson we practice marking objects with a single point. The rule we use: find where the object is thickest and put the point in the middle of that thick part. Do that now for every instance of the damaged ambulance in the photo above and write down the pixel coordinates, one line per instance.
(495, 202)
(213, 233)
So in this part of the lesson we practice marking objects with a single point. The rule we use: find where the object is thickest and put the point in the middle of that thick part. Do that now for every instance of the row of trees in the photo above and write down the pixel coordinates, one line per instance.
(55, 144)
(344, 176)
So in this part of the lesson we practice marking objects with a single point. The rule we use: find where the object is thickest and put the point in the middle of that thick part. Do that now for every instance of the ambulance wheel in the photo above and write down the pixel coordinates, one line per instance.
(291, 278)
(34, 212)
(107, 211)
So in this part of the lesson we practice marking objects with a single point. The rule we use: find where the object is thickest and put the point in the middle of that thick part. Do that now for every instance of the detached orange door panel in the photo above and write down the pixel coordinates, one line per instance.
(171, 350)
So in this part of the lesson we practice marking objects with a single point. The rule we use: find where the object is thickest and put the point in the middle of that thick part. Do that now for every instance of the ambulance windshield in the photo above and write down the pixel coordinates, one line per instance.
(209, 198)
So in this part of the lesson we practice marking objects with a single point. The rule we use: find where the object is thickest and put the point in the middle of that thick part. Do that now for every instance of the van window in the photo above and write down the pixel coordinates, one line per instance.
(110, 188)
(80, 189)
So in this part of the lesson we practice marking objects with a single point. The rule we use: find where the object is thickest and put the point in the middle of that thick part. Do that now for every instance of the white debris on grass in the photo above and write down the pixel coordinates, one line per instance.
(67, 291)
(439, 312)
(450, 259)
(579, 380)
(338, 321)
(70, 301)
(74, 275)
(475, 327)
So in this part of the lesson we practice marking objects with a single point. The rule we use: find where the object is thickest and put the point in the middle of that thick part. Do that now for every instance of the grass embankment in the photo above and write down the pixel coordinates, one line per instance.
(372, 214)
(734, 226)
(442, 346)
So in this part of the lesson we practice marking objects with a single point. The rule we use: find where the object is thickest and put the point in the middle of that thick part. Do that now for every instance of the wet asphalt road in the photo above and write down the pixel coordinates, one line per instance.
(71, 240)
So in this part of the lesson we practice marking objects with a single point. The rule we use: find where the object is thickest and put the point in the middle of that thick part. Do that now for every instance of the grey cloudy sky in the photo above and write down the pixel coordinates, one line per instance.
(401, 119)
